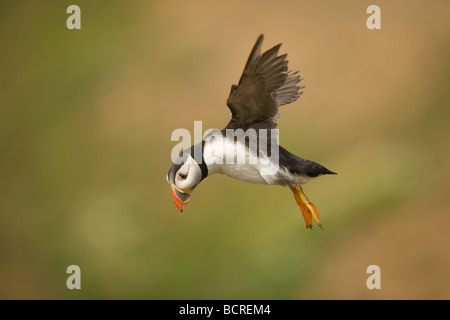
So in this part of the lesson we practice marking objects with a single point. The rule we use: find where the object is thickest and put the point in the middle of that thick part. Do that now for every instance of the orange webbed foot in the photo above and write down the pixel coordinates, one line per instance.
(308, 208)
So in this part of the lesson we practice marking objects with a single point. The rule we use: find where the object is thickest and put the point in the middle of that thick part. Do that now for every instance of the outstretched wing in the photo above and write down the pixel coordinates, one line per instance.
(265, 85)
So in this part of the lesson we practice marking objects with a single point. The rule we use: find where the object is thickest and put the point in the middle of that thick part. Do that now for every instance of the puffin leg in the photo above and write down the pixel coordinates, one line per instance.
(308, 209)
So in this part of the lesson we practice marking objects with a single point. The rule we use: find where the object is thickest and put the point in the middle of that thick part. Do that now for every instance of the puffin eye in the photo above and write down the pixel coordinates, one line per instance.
(182, 176)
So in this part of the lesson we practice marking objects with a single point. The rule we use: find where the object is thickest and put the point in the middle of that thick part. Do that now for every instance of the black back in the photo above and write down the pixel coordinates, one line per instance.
(301, 166)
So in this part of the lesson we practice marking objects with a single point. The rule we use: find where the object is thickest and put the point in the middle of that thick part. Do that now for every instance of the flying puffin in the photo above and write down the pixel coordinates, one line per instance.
(265, 85)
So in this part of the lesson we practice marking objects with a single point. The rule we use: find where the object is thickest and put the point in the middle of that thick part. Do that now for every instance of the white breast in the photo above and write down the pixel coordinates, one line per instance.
(235, 160)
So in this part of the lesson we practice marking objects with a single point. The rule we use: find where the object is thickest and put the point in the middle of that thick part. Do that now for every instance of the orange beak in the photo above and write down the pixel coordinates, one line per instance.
(180, 198)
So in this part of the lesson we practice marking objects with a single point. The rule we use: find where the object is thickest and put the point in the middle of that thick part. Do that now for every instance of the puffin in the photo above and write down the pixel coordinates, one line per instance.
(247, 148)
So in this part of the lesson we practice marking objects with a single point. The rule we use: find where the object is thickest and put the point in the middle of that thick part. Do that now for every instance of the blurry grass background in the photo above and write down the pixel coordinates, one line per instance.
(85, 123)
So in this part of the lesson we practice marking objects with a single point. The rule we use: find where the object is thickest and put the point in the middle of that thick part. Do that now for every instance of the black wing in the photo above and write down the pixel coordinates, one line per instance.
(265, 85)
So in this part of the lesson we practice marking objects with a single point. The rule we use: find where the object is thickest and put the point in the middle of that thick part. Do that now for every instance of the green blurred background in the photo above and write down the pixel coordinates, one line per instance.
(86, 118)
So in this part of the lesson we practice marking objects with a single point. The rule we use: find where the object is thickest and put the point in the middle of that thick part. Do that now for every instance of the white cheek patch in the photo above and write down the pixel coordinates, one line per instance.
(193, 173)
(183, 183)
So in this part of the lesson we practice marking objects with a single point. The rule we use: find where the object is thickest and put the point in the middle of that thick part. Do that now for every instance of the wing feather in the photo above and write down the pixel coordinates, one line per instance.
(265, 85)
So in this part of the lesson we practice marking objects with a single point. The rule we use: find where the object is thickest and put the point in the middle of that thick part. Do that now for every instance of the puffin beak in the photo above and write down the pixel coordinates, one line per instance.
(181, 198)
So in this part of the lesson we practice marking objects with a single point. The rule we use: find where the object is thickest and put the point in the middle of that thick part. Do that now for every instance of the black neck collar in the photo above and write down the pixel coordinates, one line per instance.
(196, 152)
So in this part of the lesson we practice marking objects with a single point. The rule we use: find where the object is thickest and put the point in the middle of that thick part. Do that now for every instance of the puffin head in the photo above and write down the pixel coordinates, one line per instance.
(184, 175)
